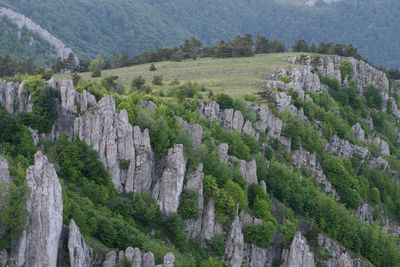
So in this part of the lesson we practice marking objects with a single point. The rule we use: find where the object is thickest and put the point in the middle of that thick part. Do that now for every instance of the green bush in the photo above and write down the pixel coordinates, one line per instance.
(93, 87)
(188, 204)
(145, 210)
(125, 164)
(259, 234)
(216, 245)
(175, 231)
(224, 101)
(373, 97)
(346, 69)
(157, 80)
(237, 193)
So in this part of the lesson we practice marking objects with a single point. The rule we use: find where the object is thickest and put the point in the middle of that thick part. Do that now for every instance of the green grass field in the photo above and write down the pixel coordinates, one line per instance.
(234, 76)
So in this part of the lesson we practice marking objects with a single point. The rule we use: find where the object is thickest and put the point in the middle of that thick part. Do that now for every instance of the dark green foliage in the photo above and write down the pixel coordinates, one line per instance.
(175, 231)
(145, 210)
(152, 67)
(251, 143)
(93, 87)
(75, 78)
(300, 46)
(125, 164)
(224, 101)
(157, 80)
(216, 245)
(138, 83)
(373, 97)
(110, 84)
(12, 218)
(187, 90)
(260, 234)
(239, 148)
(343, 181)
(237, 193)
(288, 231)
(346, 70)
(188, 204)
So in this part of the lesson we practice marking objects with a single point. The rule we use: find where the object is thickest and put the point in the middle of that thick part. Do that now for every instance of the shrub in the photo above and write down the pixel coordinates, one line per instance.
(216, 245)
(152, 67)
(237, 193)
(175, 231)
(285, 79)
(93, 87)
(224, 101)
(346, 69)
(188, 204)
(260, 234)
(250, 98)
(157, 80)
(145, 210)
(125, 164)
(374, 99)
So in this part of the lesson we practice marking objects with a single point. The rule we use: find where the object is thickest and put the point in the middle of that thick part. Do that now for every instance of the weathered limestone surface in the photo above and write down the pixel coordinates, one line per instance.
(38, 245)
(299, 254)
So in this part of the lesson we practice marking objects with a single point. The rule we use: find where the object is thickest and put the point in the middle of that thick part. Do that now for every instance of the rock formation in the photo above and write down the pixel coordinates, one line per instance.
(235, 244)
(38, 244)
(169, 186)
(111, 136)
(13, 98)
(80, 254)
(343, 148)
(194, 130)
(23, 22)
(299, 254)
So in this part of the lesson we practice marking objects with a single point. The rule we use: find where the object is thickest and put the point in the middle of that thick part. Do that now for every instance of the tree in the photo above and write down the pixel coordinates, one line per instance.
(300, 46)
(111, 85)
(95, 67)
(138, 84)
(261, 44)
(75, 78)
(242, 46)
(157, 80)
(152, 67)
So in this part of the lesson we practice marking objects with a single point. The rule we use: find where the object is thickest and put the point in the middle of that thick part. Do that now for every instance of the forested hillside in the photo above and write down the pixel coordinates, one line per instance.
(303, 173)
(132, 26)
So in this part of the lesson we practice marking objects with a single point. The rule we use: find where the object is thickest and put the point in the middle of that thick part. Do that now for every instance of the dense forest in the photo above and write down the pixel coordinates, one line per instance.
(133, 26)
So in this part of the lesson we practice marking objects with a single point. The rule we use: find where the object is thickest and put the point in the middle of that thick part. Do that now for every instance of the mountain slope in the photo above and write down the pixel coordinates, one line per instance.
(92, 27)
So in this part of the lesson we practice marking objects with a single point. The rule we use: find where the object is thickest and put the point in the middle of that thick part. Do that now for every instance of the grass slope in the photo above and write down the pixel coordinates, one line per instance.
(234, 76)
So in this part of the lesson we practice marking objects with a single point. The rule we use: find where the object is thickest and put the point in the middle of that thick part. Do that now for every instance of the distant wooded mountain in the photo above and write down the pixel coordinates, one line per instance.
(91, 27)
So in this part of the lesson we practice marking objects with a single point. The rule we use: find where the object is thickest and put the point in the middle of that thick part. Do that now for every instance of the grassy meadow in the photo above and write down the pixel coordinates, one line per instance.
(233, 76)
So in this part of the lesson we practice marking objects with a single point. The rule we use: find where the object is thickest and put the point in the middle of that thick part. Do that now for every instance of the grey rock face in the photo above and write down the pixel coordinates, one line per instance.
(329, 66)
(358, 132)
(210, 226)
(343, 148)
(299, 254)
(110, 260)
(194, 181)
(195, 131)
(144, 164)
(209, 110)
(247, 169)
(169, 260)
(222, 151)
(366, 213)
(13, 98)
(80, 254)
(304, 159)
(267, 123)
(168, 187)
(148, 104)
(111, 136)
(148, 260)
(382, 145)
(340, 255)
(38, 245)
(4, 170)
(379, 162)
(235, 244)
(23, 22)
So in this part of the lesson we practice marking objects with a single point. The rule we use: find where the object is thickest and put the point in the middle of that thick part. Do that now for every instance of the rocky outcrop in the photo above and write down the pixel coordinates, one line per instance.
(111, 136)
(210, 226)
(267, 122)
(235, 244)
(329, 66)
(299, 254)
(80, 254)
(144, 162)
(38, 245)
(194, 182)
(247, 169)
(169, 185)
(366, 213)
(358, 132)
(4, 170)
(340, 255)
(304, 159)
(194, 130)
(379, 163)
(13, 98)
(23, 22)
(234, 120)
(382, 145)
(344, 148)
